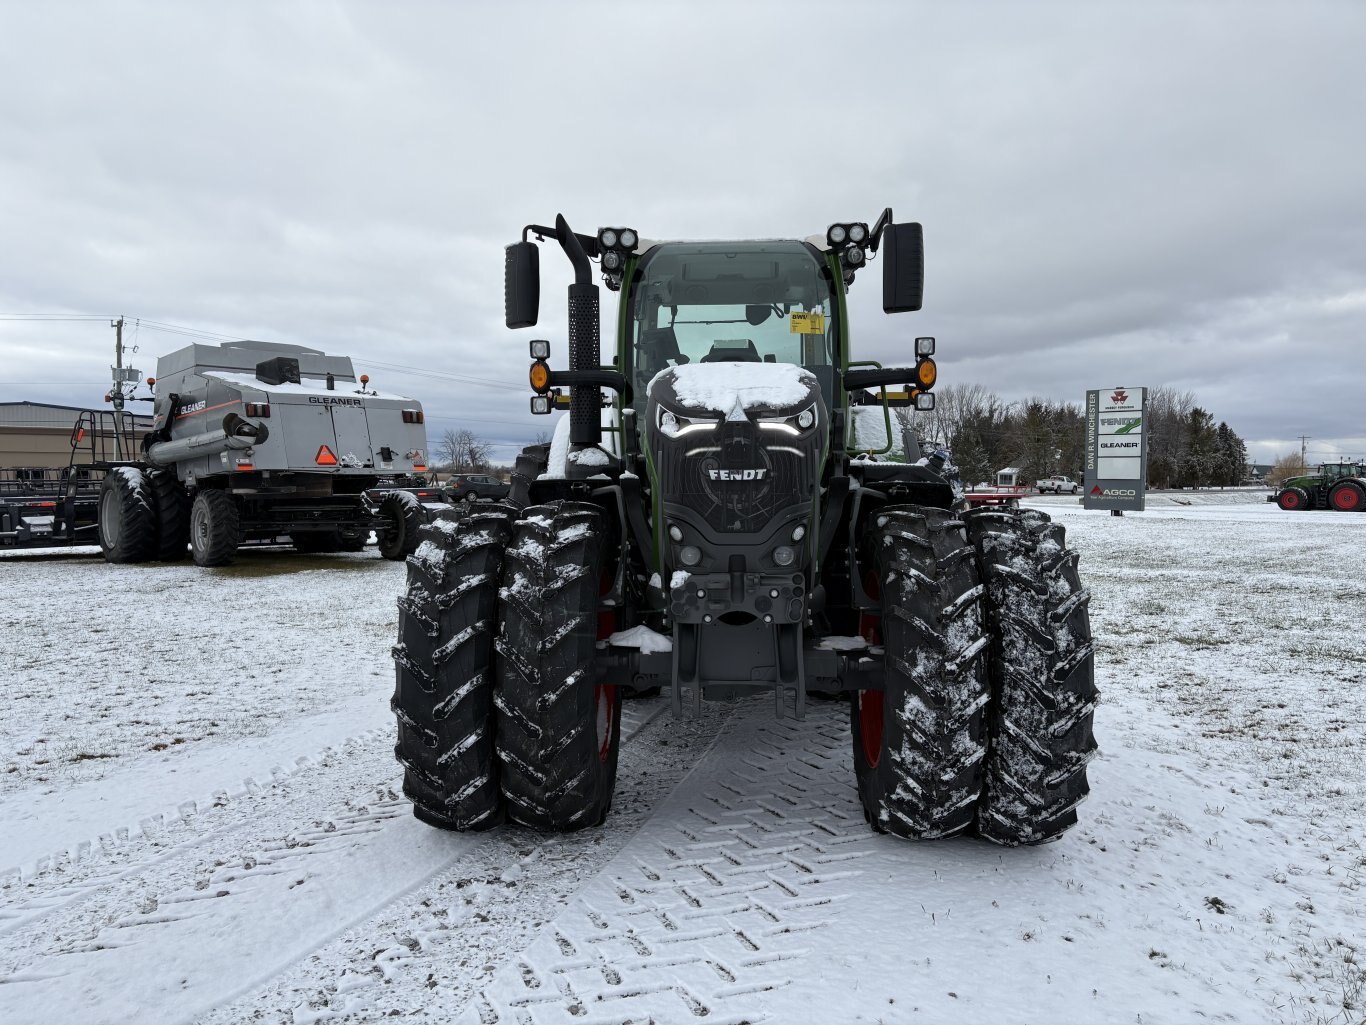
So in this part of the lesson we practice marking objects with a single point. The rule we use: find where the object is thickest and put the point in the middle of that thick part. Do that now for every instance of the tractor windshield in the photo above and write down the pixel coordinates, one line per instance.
(746, 302)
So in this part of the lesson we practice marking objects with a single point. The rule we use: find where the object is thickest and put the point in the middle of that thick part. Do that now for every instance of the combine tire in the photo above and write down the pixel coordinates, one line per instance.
(1042, 679)
(398, 539)
(1347, 497)
(173, 515)
(215, 528)
(919, 744)
(531, 463)
(558, 730)
(443, 696)
(1293, 498)
(128, 522)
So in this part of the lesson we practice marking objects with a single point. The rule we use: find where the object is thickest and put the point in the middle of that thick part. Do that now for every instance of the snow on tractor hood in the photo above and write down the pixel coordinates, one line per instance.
(724, 387)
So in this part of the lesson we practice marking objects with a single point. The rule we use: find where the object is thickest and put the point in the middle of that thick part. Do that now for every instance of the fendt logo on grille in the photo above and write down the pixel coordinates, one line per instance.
(758, 474)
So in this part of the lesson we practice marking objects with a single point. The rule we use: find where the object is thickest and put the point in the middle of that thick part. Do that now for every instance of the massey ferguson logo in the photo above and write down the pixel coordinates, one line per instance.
(1119, 396)
(737, 474)
(1098, 492)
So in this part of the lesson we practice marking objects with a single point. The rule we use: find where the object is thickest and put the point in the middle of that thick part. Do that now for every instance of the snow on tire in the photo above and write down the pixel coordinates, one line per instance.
(558, 729)
(919, 744)
(1042, 678)
(127, 516)
(531, 463)
(400, 537)
(443, 692)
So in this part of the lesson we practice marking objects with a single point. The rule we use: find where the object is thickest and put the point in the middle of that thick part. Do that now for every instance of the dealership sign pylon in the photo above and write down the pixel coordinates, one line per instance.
(1116, 448)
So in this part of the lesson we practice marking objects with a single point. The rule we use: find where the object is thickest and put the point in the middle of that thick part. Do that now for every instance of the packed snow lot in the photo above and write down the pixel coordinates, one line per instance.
(201, 814)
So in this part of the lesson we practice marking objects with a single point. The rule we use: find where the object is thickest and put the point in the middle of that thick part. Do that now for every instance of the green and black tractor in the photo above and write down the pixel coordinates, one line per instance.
(705, 523)
(1340, 486)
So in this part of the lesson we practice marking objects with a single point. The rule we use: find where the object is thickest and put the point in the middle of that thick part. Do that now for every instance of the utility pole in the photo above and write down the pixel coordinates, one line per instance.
(1303, 439)
(117, 325)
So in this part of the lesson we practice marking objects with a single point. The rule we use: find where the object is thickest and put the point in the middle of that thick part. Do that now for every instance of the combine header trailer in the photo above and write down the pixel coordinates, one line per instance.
(730, 538)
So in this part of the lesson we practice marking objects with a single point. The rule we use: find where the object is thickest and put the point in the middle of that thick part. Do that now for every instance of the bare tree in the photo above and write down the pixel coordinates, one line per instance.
(448, 450)
(1285, 467)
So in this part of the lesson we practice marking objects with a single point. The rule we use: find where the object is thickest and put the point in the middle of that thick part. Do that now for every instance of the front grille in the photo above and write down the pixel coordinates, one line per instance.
(738, 478)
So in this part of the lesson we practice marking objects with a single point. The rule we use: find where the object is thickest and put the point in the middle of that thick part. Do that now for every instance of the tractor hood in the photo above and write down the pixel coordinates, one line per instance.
(734, 390)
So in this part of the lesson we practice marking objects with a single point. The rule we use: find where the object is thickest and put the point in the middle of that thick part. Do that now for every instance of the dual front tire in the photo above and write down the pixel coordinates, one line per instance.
(985, 721)
(500, 714)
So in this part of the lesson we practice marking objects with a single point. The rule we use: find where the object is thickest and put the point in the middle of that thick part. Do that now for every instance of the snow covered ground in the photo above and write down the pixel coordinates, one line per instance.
(201, 818)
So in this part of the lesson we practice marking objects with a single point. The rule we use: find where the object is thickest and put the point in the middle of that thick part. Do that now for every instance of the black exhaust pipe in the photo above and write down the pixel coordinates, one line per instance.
(585, 343)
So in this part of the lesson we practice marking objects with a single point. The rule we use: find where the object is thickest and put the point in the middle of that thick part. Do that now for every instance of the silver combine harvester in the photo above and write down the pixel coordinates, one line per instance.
(257, 440)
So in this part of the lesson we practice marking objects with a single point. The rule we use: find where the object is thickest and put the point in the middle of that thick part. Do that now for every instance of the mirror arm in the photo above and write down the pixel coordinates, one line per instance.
(875, 236)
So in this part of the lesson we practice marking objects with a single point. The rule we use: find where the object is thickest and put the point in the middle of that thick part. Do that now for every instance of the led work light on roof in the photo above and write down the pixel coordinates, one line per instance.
(611, 260)
(540, 348)
(836, 234)
(924, 346)
(607, 238)
(924, 400)
(857, 233)
(853, 256)
(628, 239)
(540, 404)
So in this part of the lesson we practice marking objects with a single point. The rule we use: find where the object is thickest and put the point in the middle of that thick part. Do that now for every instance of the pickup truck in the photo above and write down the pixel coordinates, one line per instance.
(1056, 485)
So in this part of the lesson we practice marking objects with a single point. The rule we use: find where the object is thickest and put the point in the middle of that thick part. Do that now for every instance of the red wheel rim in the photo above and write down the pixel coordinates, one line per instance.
(1290, 500)
(870, 701)
(1346, 499)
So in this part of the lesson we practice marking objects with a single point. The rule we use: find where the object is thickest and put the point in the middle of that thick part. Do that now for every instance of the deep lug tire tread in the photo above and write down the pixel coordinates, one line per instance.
(126, 493)
(172, 504)
(401, 537)
(443, 691)
(1042, 677)
(221, 522)
(552, 775)
(928, 777)
(531, 463)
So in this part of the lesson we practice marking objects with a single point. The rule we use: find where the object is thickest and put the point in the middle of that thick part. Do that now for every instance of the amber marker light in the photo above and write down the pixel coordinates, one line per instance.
(540, 376)
(926, 373)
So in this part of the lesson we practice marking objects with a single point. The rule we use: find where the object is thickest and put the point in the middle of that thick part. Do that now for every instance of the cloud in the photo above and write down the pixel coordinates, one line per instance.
(1144, 195)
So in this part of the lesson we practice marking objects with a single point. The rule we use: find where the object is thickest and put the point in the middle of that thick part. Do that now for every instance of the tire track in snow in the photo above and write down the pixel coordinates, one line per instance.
(697, 900)
(77, 871)
(361, 856)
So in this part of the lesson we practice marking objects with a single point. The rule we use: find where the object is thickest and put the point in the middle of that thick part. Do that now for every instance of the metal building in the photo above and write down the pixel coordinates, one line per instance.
(39, 433)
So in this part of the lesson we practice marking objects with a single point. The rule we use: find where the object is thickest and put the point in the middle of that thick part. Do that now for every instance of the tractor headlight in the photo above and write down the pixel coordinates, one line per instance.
(924, 346)
(690, 555)
(611, 260)
(607, 238)
(802, 421)
(853, 256)
(836, 234)
(628, 239)
(673, 425)
(857, 233)
(783, 555)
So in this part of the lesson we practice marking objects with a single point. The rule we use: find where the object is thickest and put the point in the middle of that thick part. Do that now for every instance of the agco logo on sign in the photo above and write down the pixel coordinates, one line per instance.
(1099, 492)
(758, 474)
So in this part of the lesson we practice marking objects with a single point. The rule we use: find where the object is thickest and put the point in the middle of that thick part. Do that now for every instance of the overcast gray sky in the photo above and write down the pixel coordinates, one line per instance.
(1112, 194)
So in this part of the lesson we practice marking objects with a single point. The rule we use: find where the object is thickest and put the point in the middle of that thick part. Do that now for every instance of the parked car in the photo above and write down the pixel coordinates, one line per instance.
(1057, 485)
(466, 487)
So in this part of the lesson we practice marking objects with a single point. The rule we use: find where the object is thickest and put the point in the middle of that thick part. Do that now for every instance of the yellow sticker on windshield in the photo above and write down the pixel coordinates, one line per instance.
(812, 323)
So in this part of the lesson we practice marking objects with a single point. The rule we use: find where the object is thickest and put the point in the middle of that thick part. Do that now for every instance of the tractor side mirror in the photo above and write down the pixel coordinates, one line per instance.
(902, 251)
(522, 284)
